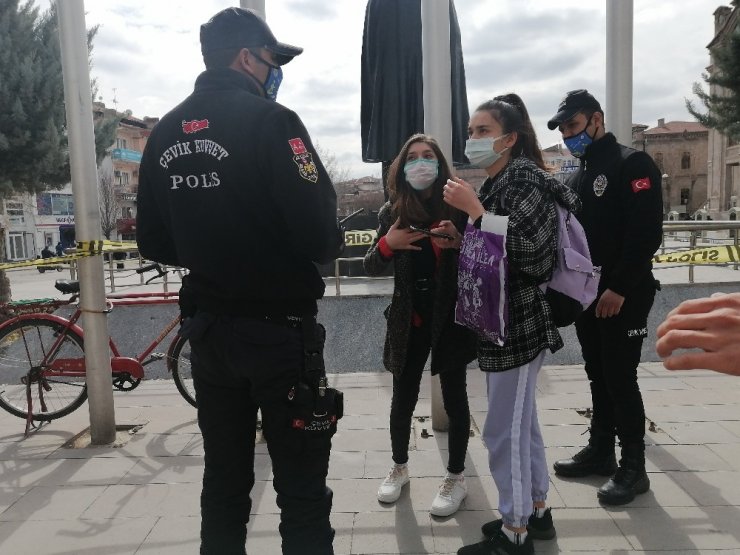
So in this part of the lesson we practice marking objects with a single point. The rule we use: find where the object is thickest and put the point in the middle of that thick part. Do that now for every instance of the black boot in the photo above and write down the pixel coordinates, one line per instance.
(596, 458)
(629, 480)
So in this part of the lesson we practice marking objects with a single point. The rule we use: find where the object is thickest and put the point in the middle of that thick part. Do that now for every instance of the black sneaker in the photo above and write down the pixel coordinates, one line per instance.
(540, 528)
(498, 545)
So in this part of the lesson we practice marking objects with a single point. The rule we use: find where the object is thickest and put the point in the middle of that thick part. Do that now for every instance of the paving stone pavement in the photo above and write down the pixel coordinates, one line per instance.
(142, 497)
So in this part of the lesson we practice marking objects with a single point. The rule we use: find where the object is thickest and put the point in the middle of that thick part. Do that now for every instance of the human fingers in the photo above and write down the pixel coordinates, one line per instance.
(688, 339)
(446, 227)
(687, 322)
(705, 361)
(407, 238)
(707, 304)
(599, 308)
(605, 308)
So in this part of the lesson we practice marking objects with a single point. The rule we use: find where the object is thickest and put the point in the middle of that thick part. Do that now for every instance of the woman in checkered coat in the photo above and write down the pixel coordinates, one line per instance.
(519, 196)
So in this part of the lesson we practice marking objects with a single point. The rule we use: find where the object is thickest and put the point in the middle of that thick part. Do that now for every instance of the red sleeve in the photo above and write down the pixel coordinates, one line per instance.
(384, 249)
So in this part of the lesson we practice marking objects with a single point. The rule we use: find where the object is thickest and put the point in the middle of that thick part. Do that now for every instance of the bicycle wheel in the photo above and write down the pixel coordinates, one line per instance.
(178, 361)
(23, 346)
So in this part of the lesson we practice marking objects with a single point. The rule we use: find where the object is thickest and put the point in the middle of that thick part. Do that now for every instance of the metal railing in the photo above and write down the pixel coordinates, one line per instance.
(691, 232)
(117, 269)
(696, 231)
(338, 277)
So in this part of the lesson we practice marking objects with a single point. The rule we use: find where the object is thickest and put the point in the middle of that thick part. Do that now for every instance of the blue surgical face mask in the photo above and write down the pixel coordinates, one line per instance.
(274, 78)
(421, 173)
(480, 152)
(577, 144)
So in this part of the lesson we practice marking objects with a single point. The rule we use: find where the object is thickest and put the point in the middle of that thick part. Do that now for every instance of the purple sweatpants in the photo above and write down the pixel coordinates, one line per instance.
(516, 451)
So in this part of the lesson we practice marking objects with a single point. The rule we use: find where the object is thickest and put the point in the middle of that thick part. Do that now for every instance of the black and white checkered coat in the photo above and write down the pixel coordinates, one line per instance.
(527, 195)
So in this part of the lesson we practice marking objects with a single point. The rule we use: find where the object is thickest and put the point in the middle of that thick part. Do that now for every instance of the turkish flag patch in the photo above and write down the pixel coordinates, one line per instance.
(642, 184)
(297, 146)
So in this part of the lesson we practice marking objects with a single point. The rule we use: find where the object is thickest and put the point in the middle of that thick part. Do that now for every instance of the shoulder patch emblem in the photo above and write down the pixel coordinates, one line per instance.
(194, 126)
(297, 146)
(642, 184)
(600, 184)
(306, 168)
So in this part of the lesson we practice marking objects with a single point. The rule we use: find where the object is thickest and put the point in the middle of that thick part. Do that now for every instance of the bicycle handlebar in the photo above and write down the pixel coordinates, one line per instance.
(149, 267)
(352, 215)
(160, 271)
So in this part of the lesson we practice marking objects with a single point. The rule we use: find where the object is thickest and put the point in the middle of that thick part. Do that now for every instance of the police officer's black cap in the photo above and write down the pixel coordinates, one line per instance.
(573, 103)
(243, 28)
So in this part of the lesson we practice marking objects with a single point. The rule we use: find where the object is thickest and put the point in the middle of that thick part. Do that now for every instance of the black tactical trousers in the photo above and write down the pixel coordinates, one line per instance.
(240, 365)
(611, 349)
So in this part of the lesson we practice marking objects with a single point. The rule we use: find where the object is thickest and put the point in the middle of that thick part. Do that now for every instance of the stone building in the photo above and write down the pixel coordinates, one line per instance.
(122, 165)
(723, 185)
(559, 161)
(679, 148)
(29, 222)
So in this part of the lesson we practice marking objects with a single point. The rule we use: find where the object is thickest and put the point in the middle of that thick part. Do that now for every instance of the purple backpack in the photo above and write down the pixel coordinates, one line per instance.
(575, 280)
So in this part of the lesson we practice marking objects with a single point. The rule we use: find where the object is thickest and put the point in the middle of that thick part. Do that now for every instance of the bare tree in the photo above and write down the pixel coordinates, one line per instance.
(109, 203)
(338, 173)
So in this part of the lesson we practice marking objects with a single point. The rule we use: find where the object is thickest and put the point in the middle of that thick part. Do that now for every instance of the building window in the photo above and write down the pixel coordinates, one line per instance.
(686, 161)
(14, 210)
(62, 205)
(121, 143)
(684, 197)
(17, 246)
(55, 204)
(121, 178)
(659, 161)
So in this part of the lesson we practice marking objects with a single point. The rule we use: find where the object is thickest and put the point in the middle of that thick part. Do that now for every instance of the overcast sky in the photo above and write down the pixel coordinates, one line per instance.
(148, 51)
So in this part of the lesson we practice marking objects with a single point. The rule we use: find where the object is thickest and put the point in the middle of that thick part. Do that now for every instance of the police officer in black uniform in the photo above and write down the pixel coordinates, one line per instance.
(231, 188)
(620, 189)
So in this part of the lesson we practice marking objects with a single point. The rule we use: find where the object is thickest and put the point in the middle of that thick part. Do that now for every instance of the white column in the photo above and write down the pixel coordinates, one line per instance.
(256, 5)
(78, 100)
(619, 22)
(437, 67)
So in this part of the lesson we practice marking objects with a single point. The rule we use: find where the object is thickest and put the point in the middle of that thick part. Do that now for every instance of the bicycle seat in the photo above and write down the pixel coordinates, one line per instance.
(67, 286)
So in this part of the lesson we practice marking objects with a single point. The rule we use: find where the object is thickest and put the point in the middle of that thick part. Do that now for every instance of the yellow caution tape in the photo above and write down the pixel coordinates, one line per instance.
(721, 254)
(84, 249)
(96, 247)
(359, 237)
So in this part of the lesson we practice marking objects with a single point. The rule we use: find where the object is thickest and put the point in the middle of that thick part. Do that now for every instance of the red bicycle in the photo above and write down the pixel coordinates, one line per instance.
(42, 361)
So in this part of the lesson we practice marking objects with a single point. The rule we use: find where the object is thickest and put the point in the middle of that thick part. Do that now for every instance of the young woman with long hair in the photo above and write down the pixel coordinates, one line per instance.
(421, 314)
(520, 195)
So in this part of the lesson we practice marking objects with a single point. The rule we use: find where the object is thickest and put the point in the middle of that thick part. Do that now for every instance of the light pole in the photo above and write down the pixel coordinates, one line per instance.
(667, 188)
(437, 68)
(78, 104)
(619, 21)
(256, 5)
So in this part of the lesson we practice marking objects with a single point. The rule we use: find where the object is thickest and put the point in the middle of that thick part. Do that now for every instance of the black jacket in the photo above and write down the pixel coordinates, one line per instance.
(452, 344)
(231, 188)
(622, 213)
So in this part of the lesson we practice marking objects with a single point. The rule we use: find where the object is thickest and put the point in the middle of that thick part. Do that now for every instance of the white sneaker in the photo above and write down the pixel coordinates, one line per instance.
(450, 496)
(390, 489)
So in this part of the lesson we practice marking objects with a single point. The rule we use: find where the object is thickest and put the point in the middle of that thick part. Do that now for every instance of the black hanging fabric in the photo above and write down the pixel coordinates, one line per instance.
(392, 89)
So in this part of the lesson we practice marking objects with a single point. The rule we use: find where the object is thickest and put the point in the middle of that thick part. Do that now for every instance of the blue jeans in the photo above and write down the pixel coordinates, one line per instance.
(241, 365)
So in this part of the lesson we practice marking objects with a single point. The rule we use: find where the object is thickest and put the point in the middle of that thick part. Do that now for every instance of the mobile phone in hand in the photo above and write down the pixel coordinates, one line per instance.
(432, 233)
